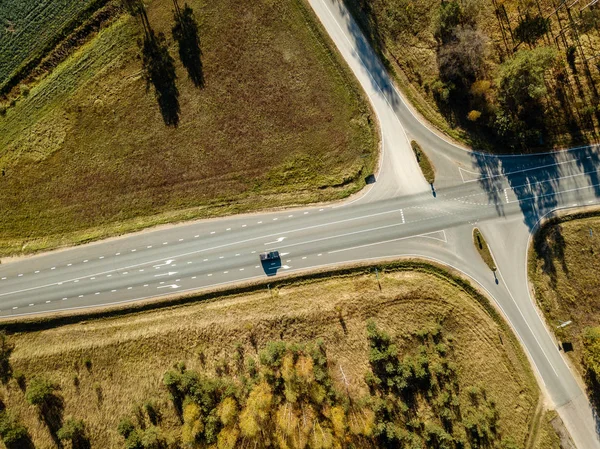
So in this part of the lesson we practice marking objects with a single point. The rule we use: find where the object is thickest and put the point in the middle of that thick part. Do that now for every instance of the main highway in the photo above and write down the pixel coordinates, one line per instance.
(398, 215)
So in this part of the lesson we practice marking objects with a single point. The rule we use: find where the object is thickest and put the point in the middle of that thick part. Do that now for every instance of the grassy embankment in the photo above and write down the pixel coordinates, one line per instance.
(483, 249)
(108, 368)
(446, 77)
(563, 266)
(280, 122)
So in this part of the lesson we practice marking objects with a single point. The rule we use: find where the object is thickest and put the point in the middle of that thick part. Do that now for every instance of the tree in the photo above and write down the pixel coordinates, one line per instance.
(258, 406)
(193, 426)
(74, 431)
(521, 80)
(446, 19)
(40, 392)
(531, 29)
(13, 434)
(463, 60)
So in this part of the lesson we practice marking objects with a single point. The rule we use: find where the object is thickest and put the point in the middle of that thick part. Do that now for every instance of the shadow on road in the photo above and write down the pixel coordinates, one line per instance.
(537, 182)
(369, 51)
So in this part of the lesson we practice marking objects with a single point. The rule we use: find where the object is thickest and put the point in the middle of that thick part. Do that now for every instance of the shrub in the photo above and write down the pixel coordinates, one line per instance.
(125, 427)
(473, 115)
(40, 391)
(74, 431)
(12, 432)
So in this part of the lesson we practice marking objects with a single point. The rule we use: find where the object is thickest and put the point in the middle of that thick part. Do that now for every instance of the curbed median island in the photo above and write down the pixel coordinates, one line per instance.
(424, 162)
(483, 249)
(325, 361)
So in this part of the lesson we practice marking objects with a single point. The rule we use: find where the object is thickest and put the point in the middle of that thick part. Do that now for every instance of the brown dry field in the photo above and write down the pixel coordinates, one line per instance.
(566, 284)
(281, 121)
(129, 354)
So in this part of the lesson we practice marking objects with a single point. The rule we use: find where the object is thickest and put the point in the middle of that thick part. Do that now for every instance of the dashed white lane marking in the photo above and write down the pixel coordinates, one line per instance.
(53, 268)
(189, 263)
(145, 285)
(92, 279)
(31, 305)
(15, 308)
(112, 291)
(64, 299)
(260, 222)
(228, 229)
(20, 275)
(241, 269)
(101, 257)
(205, 260)
(209, 274)
(4, 278)
(320, 254)
(165, 243)
(304, 258)
(290, 216)
(193, 277)
(212, 232)
(321, 210)
(97, 293)
(76, 280)
(275, 219)
(69, 264)
(402, 214)
(133, 250)
(243, 226)
(257, 266)
(181, 240)
(141, 271)
(80, 296)
(305, 213)
(225, 272)
(237, 254)
(149, 246)
(109, 275)
(117, 254)
(125, 272)
(129, 288)
(85, 261)
(35, 272)
(221, 257)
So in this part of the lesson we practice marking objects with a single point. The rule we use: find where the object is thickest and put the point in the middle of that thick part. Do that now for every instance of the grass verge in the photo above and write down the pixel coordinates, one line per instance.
(563, 268)
(483, 249)
(124, 357)
(280, 122)
(424, 162)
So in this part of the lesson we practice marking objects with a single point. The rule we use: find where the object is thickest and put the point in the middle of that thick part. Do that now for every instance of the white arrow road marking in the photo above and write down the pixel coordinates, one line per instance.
(283, 254)
(279, 240)
(170, 273)
(167, 262)
(170, 286)
(286, 267)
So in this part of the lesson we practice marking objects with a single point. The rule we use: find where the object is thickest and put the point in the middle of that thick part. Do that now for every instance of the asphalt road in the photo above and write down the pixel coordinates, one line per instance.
(398, 215)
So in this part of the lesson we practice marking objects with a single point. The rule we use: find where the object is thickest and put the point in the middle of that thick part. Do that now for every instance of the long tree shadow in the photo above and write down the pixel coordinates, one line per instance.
(185, 32)
(538, 183)
(368, 50)
(159, 70)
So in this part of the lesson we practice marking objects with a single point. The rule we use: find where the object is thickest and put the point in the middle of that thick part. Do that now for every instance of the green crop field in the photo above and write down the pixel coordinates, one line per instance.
(28, 27)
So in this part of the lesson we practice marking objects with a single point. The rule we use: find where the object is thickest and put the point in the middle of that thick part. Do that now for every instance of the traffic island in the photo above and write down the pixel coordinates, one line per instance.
(424, 162)
(483, 249)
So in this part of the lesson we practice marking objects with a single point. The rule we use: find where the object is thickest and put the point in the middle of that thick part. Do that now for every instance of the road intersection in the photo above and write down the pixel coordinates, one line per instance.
(398, 215)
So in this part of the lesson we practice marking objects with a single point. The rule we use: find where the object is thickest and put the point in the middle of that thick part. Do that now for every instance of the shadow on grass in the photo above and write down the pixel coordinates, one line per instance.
(185, 32)
(159, 70)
